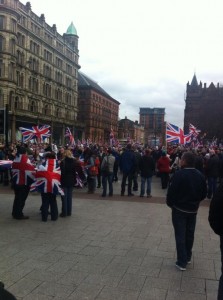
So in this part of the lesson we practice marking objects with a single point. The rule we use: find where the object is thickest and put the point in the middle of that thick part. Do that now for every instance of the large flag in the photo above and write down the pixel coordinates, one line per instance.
(70, 136)
(35, 132)
(5, 164)
(48, 178)
(23, 171)
(193, 130)
(174, 134)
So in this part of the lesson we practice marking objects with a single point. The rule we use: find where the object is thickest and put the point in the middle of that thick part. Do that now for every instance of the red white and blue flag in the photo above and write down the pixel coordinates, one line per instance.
(5, 164)
(35, 132)
(23, 172)
(176, 135)
(48, 178)
(70, 136)
(193, 130)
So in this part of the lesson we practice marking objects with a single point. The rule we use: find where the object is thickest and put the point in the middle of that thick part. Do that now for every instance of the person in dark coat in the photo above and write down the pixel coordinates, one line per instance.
(212, 171)
(147, 169)
(216, 222)
(127, 167)
(4, 294)
(69, 167)
(186, 190)
(163, 166)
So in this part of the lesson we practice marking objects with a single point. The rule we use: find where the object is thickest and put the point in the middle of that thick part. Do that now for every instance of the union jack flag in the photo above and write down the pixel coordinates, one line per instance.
(48, 178)
(23, 172)
(174, 134)
(40, 133)
(5, 164)
(193, 130)
(71, 138)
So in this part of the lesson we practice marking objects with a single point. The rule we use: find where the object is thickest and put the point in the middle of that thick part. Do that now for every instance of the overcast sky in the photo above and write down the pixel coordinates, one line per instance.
(144, 52)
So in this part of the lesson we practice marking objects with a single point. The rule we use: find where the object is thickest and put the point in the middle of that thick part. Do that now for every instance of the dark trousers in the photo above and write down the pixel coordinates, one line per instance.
(107, 178)
(115, 171)
(67, 201)
(212, 186)
(21, 194)
(49, 200)
(220, 287)
(164, 179)
(184, 228)
(130, 179)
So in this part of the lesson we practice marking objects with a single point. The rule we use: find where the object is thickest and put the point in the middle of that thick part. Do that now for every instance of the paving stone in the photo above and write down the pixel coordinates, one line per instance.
(153, 294)
(132, 282)
(24, 287)
(196, 285)
(109, 293)
(172, 295)
(54, 289)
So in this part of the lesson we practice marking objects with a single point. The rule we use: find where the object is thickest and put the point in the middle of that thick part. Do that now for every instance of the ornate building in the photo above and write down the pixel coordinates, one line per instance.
(38, 71)
(153, 121)
(204, 108)
(130, 131)
(97, 109)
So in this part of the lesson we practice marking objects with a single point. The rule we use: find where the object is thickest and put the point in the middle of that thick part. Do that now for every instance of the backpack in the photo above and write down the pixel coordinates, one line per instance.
(105, 168)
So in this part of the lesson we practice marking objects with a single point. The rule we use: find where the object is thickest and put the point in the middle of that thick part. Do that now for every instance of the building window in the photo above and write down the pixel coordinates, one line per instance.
(47, 55)
(2, 22)
(11, 68)
(2, 71)
(12, 46)
(16, 103)
(13, 25)
(47, 90)
(32, 106)
(59, 63)
(1, 98)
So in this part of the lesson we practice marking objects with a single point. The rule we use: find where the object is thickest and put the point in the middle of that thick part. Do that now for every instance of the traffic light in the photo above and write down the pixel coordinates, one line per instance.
(2, 121)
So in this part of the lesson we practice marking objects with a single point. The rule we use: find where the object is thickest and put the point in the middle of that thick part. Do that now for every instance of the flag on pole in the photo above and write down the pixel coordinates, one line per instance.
(174, 134)
(70, 136)
(193, 130)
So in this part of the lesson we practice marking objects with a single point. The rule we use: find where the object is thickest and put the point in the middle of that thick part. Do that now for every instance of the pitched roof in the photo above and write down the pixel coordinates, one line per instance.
(194, 81)
(85, 81)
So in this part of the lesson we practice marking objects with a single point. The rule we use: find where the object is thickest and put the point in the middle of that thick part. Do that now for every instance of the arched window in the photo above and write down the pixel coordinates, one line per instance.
(2, 41)
(16, 103)
(32, 106)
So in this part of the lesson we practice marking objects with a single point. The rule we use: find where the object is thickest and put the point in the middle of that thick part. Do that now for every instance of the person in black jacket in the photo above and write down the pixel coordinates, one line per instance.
(216, 222)
(187, 188)
(212, 171)
(69, 166)
(147, 169)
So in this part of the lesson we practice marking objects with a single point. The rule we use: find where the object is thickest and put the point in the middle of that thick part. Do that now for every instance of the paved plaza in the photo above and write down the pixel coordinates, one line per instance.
(113, 248)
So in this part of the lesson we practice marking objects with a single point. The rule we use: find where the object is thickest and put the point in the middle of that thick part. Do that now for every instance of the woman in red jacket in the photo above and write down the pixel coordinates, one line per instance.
(163, 166)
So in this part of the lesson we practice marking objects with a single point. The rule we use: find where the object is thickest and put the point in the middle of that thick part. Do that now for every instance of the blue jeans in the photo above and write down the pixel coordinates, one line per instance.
(212, 185)
(184, 228)
(67, 201)
(220, 287)
(145, 181)
(107, 178)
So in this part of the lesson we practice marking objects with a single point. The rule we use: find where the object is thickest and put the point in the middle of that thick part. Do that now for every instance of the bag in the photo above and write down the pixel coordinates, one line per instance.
(105, 168)
(93, 171)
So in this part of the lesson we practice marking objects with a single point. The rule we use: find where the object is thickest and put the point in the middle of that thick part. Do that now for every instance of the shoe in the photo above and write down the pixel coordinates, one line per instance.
(135, 190)
(180, 267)
(62, 215)
(21, 218)
(103, 195)
(122, 194)
(141, 196)
(130, 195)
(149, 196)
(189, 261)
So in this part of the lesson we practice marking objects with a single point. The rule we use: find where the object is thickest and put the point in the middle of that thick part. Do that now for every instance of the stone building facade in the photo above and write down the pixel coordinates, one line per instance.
(154, 125)
(204, 108)
(97, 109)
(38, 71)
(130, 131)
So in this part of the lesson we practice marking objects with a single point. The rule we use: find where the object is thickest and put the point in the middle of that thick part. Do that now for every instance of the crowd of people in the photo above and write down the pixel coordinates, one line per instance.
(189, 175)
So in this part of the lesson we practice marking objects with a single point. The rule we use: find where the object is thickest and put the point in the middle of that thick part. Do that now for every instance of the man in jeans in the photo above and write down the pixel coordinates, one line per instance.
(186, 190)
(147, 169)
